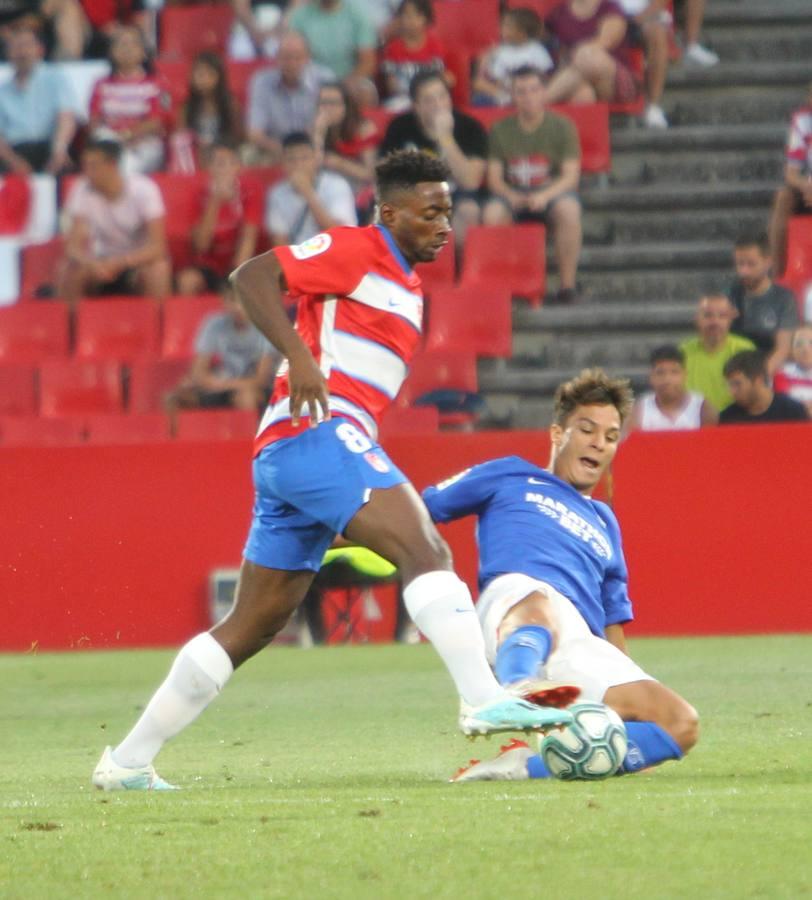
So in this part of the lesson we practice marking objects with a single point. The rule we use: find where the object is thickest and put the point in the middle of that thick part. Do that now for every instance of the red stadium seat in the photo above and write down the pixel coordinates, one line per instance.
(39, 263)
(31, 332)
(240, 72)
(441, 371)
(79, 387)
(151, 380)
(180, 194)
(590, 119)
(636, 61)
(799, 248)
(124, 329)
(186, 30)
(175, 72)
(471, 26)
(458, 63)
(18, 396)
(440, 273)
(475, 319)
(147, 428)
(398, 420)
(513, 255)
(216, 425)
(32, 431)
(183, 317)
(15, 204)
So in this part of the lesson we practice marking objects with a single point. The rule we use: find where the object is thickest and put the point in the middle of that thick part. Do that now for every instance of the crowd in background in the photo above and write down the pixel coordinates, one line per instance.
(315, 109)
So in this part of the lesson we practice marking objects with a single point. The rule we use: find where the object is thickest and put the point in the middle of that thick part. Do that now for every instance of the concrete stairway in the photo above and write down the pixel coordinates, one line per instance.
(660, 232)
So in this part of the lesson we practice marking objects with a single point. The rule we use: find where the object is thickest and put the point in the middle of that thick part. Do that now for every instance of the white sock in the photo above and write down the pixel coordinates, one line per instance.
(197, 676)
(441, 607)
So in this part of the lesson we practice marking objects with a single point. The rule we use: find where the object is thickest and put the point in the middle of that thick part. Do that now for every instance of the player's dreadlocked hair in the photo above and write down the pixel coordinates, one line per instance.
(403, 169)
(593, 387)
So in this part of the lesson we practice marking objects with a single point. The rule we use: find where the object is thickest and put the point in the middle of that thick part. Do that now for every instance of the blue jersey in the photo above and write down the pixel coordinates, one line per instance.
(533, 523)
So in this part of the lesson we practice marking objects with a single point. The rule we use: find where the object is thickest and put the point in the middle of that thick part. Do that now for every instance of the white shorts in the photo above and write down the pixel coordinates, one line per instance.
(581, 658)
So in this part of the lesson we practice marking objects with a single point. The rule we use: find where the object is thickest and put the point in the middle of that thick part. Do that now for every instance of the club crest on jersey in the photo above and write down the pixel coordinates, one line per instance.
(378, 464)
(312, 246)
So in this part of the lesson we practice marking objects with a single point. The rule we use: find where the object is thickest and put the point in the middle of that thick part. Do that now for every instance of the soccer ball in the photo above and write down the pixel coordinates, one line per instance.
(591, 748)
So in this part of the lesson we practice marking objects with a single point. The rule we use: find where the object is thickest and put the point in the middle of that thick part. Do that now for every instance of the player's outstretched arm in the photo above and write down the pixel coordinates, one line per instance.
(259, 283)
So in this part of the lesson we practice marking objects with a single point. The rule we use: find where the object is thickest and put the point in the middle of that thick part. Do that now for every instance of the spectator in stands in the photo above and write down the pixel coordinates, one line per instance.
(707, 353)
(211, 112)
(795, 377)
(520, 45)
(650, 27)
(693, 15)
(345, 139)
(256, 29)
(591, 38)
(233, 365)
(794, 198)
(37, 123)
(227, 226)
(767, 312)
(415, 48)
(669, 405)
(116, 237)
(435, 126)
(131, 105)
(62, 22)
(105, 17)
(754, 401)
(533, 173)
(283, 99)
(309, 200)
(341, 38)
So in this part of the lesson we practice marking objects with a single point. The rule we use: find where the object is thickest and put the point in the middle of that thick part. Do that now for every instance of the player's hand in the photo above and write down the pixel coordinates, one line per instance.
(308, 387)
(443, 124)
(537, 201)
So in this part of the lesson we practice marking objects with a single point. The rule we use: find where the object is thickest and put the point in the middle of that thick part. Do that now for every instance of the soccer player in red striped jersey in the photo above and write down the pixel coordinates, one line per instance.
(319, 471)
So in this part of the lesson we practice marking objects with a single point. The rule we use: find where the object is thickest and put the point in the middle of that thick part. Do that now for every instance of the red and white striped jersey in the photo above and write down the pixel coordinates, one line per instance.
(799, 140)
(793, 380)
(360, 313)
(122, 102)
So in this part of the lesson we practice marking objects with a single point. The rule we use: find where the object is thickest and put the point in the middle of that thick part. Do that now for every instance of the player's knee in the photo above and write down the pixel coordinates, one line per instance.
(685, 727)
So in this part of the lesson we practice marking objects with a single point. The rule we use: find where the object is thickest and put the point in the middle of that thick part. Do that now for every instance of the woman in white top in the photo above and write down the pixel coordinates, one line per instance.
(669, 406)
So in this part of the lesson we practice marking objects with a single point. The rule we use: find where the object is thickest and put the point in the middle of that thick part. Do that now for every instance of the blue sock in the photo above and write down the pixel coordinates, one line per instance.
(649, 745)
(523, 653)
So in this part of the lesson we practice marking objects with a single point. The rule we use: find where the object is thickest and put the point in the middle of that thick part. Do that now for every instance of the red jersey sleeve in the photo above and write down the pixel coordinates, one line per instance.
(333, 262)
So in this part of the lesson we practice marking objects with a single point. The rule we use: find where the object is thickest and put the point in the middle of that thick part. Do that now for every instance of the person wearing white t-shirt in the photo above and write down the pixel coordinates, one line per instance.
(519, 47)
(670, 406)
(310, 200)
(116, 237)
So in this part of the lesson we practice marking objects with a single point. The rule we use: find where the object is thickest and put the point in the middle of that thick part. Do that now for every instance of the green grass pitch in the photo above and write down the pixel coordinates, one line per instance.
(322, 774)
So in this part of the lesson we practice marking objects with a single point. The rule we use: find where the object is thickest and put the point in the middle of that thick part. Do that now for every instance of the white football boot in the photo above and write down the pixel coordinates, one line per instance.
(109, 776)
(509, 765)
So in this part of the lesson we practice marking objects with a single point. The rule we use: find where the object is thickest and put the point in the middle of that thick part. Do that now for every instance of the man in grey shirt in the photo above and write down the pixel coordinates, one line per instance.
(233, 364)
(310, 200)
(767, 312)
(283, 99)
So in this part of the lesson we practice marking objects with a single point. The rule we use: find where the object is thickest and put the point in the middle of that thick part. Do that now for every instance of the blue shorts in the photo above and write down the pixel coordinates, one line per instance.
(308, 488)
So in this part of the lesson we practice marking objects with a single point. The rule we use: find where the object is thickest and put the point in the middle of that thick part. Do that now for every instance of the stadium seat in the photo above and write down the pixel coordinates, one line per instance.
(39, 263)
(18, 396)
(216, 425)
(180, 194)
(146, 428)
(435, 371)
(799, 248)
(440, 273)
(32, 332)
(458, 63)
(513, 255)
(122, 329)
(590, 119)
(78, 387)
(175, 72)
(474, 319)
(151, 379)
(186, 30)
(471, 27)
(33, 431)
(635, 59)
(183, 317)
(240, 72)
(400, 420)
(15, 204)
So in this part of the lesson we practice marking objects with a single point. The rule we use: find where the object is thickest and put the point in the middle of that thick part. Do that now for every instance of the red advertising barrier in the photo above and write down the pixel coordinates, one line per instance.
(113, 546)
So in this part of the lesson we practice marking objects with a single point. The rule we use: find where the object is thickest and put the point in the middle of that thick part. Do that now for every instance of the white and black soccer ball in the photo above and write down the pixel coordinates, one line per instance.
(593, 747)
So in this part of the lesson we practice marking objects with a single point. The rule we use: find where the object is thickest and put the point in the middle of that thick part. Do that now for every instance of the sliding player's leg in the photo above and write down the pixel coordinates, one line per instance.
(521, 621)
(396, 525)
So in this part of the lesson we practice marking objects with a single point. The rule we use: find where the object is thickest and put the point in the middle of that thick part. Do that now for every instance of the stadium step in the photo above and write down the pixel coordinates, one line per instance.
(669, 197)
(703, 254)
(657, 225)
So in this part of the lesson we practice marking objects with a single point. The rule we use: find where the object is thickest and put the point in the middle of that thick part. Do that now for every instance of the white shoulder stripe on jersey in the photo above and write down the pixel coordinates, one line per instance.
(281, 411)
(381, 293)
(369, 362)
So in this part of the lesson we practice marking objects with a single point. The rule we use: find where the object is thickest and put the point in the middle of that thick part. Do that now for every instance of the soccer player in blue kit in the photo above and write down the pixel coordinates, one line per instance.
(319, 471)
(553, 580)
